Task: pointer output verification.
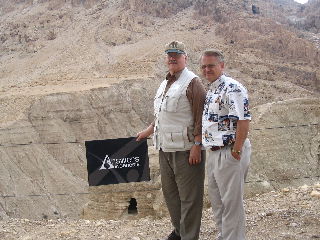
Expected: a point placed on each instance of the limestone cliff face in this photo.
(288, 150)
(43, 173)
(43, 161)
(310, 16)
(271, 38)
(8, 6)
(158, 8)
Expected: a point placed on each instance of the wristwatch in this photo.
(237, 152)
(197, 143)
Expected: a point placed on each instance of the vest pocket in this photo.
(171, 103)
(174, 137)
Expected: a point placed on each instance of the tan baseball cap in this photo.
(175, 47)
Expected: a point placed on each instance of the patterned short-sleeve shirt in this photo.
(226, 103)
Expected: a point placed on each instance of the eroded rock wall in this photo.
(286, 144)
(43, 172)
(43, 155)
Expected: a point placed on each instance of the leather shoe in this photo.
(173, 236)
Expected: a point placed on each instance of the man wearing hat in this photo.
(178, 107)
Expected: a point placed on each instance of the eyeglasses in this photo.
(210, 66)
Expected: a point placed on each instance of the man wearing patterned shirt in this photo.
(225, 125)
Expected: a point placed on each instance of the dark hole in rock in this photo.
(132, 209)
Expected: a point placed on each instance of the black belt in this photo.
(216, 148)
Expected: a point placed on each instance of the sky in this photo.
(301, 1)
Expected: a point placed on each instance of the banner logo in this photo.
(119, 163)
(113, 161)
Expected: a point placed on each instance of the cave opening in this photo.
(132, 208)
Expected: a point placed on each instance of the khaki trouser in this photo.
(182, 186)
(226, 177)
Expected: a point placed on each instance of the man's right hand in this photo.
(145, 133)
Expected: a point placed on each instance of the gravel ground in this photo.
(288, 214)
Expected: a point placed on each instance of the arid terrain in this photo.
(290, 214)
(78, 70)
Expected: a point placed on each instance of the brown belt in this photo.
(215, 148)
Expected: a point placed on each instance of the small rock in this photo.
(65, 234)
(268, 214)
(304, 187)
(285, 190)
(315, 194)
(293, 224)
(100, 223)
(262, 214)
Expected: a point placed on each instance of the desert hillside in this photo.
(79, 70)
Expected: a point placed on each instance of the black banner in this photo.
(113, 161)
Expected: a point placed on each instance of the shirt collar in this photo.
(217, 82)
(174, 76)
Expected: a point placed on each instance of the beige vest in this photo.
(174, 123)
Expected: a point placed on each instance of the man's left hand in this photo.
(195, 155)
(236, 155)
